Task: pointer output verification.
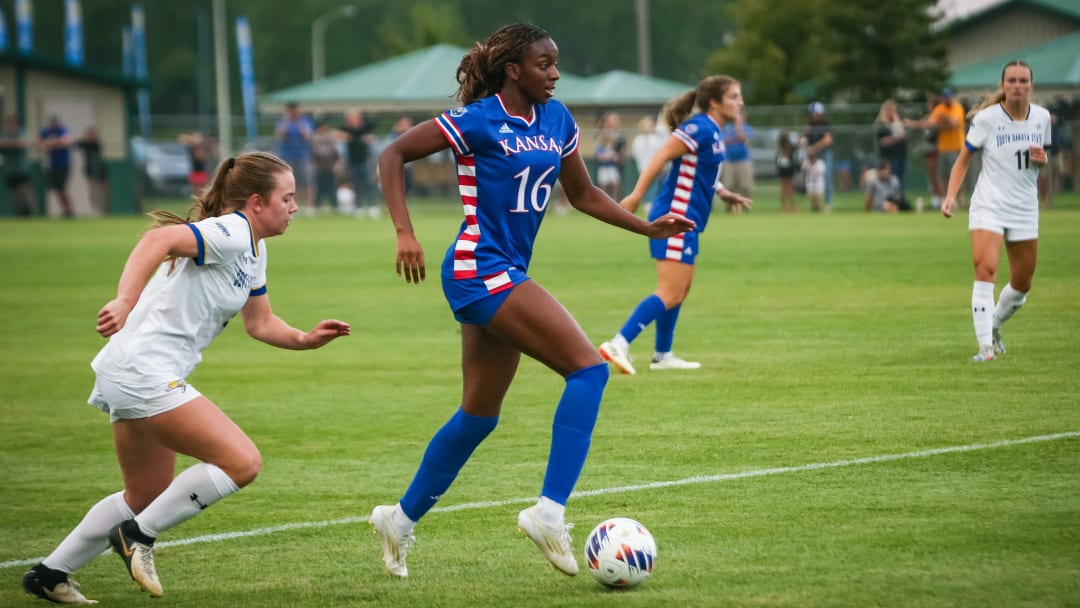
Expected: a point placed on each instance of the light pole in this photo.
(318, 35)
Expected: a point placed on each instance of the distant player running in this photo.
(511, 140)
(1013, 134)
(696, 151)
(164, 315)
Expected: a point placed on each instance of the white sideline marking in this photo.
(209, 538)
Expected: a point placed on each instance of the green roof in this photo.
(425, 79)
(617, 87)
(89, 73)
(1053, 63)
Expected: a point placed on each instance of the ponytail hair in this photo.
(999, 96)
(235, 180)
(678, 109)
(482, 71)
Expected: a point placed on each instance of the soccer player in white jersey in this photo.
(164, 315)
(696, 151)
(510, 140)
(1013, 134)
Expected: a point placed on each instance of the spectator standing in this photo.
(198, 156)
(786, 168)
(892, 139)
(648, 141)
(357, 134)
(401, 125)
(948, 117)
(324, 160)
(56, 143)
(817, 141)
(610, 146)
(94, 168)
(815, 171)
(293, 135)
(738, 172)
(13, 154)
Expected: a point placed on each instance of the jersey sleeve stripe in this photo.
(261, 291)
(452, 134)
(686, 139)
(200, 258)
(971, 148)
(572, 145)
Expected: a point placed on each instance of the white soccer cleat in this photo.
(986, 353)
(999, 344)
(619, 357)
(553, 541)
(139, 559)
(66, 592)
(670, 361)
(394, 546)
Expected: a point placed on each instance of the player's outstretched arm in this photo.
(262, 324)
(591, 200)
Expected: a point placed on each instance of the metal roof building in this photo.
(423, 80)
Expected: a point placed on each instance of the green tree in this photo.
(787, 52)
(779, 44)
(884, 49)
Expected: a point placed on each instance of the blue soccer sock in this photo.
(647, 311)
(665, 329)
(571, 432)
(446, 453)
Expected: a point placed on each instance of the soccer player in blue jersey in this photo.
(164, 315)
(1013, 135)
(696, 150)
(511, 140)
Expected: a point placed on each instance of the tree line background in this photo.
(783, 51)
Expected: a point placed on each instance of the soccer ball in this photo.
(619, 553)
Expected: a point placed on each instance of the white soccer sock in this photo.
(551, 512)
(91, 537)
(401, 522)
(1009, 302)
(193, 490)
(620, 342)
(982, 311)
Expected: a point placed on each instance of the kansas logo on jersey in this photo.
(458, 111)
(529, 144)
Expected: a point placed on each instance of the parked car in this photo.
(161, 168)
(763, 152)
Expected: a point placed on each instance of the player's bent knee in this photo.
(244, 468)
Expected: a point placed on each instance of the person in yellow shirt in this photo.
(948, 117)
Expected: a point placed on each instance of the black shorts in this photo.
(57, 178)
(17, 178)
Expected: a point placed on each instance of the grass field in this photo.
(837, 449)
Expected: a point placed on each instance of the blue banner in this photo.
(3, 33)
(24, 26)
(73, 33)
(138, 46)
(247, 77)
(129, 52)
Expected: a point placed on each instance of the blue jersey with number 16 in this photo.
(507, 166)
